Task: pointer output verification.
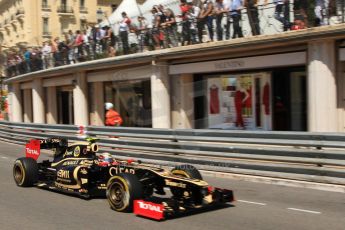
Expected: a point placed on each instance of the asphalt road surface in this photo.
(258, 206)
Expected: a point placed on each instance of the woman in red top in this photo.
(112, 118)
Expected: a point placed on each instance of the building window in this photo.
(132, 100)
(45, 26)
(83, 24)
(45, 5)
(63, 4)
(82, 7)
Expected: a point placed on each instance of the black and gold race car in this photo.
(128, 185)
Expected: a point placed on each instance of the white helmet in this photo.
(106, 157)
(108, 105)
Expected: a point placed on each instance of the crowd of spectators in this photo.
(196, 22)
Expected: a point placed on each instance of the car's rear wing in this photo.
(34, 146)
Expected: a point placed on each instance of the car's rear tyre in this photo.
(25, 172)
(188, 171)
(122, 190)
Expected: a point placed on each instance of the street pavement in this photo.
(258, 206)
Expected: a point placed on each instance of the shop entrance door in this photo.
(262, 101)
(66, 111)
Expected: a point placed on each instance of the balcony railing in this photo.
(46, 34)
(65, 10)
(20, 12)
(83, 9)
(46, 7)
(13, 19)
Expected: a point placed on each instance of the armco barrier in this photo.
(315, 157)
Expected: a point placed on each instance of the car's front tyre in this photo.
(122, 190)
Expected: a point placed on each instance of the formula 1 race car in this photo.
(77, 169)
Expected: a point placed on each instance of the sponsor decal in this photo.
(116, 170)
(175, 184)
(77, 151)
(52, 140)
(148, 209)
(63, 174)
(84, 180)
(33, 149)
(83, 171)
(68, 154)
(70, 163)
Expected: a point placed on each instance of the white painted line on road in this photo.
(4, 157)
(251, 202)
(304, 210)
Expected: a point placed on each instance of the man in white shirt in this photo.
(321, 10)
(46, 55)
(124, 28)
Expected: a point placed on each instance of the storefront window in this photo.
(132, 100)
(274, 100)
(236, 101)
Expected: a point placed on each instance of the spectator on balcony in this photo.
(200, 20)
(194, 13)
(27, 58)
(124, 28)
(98, 38)
(91, 33)
(103, 41)
(282, 13)
(321, 12)
(20, 66)
(207, 16)
(170, 28)
(11, 65)
(186, 23)
(253, 16)
(300, 8)
(36, 60)
(55, 51)
(70, 40)
(112, 37)
(62, 52)
(162, 19)
(86, 44)
(46, 55)
(143, 34)
(220, 9)
(156, 22)
(235, 7)
(105, 38)
(79, 42)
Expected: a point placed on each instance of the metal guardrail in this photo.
(315, 157)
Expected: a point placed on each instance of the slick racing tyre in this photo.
(122, 190)
(25, 172)
(188, 171)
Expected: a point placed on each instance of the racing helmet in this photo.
(106, 157)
